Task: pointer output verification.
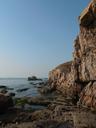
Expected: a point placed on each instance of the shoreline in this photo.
(59, 112)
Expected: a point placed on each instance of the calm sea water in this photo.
(20, 83)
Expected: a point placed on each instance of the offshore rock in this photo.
(34, 78)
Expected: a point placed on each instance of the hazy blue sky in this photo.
(37, 35)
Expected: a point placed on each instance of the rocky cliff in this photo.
(77, 78)
(59, 77)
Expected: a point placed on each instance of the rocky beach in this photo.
(68, 98)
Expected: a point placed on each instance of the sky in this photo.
(37, 35)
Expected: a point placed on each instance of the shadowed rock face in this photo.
(87, 17)
(75, 78)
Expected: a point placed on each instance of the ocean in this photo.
(15, 84)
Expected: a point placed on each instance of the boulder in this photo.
(5, 103)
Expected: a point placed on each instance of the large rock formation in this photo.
(62, 79)
(85, 56)
(79, 76)
(58, 77)
(60, 74)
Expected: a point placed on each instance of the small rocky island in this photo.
(33, 78)
(69, 95)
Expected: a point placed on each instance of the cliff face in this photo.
(80, 75)
(85, 54)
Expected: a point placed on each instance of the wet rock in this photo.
(4, 91)
(66, 125)
(38, 101)
(3, 87)
(5, 103)
(43, 83)
(11, 94)
(10, 88)
(22, 90)
(33, 83)
(32, 103)
(20, 101)
(52, 124)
